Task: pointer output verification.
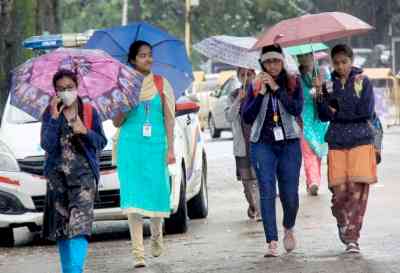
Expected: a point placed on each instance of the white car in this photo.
(217, 101)
(23, 187)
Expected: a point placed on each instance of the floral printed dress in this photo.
(71, 191)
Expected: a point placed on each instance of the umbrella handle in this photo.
(315, 72)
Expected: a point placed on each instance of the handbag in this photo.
(378, 138)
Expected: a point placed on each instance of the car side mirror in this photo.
(186, 107)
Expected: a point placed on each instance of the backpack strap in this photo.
(159, 83)
(88, 115)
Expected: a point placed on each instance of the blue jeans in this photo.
(73, 253)
(282, 162)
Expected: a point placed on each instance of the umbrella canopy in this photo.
(234, 51)
(109, 85)
(169, 53)
(305, 49)
(230, 50)
(321, 55)
(313, 28)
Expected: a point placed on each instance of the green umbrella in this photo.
(305, 49)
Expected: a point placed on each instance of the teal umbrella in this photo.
(305, 49)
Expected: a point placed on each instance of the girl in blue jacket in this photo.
(71, 169)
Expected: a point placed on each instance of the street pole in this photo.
(124, 13)
(187, 27)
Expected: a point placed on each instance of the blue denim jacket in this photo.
(290, 108)
(94, 141)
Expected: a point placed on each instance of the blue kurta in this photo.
(141, 161)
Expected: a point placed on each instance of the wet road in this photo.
(228, 242)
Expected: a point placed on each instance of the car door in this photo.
(193, 137)
(219, 105)
(229, 86)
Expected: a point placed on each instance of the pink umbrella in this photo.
(109, 85)
(321, 55)
(312, 28)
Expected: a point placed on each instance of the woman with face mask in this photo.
(349, 107)
(72, 143)
(241, 141)
(273, 109)
(145, 148)
(313, 145)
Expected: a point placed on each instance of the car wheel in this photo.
(198, 205)
(214, 132)
(178, 222)
(6, 237)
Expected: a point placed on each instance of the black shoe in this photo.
(341, 234)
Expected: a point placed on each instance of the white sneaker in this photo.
(272, 250)
(289, 240)
(352, 248)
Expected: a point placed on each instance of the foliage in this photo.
(79, 16)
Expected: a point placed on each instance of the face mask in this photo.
(68, 97)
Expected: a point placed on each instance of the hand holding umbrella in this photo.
(268, 80)
(317, 84)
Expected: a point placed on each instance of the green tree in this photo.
(135, 13)
(79, 16)
(21, 19)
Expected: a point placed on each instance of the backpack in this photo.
(159, 83)
(88, 115)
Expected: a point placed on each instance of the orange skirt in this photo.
(356, 165)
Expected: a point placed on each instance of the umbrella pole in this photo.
(315, 72)
(245, 83)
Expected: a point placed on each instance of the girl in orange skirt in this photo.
(349, 106)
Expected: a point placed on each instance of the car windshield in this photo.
(17, 116)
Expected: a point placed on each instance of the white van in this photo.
(23, 186)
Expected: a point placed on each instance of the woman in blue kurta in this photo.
(144, 149)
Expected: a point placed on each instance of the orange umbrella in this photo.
(312, 28)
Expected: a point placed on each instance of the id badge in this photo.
(278, 133)
(147, 130)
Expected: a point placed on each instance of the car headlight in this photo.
(8, 163)
(10, 204)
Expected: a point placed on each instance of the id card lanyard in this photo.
(275, 117)
(147, 124)
(278, 131)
